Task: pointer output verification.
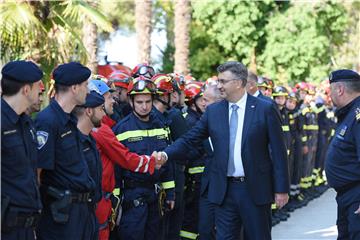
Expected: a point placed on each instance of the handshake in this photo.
(160, 159)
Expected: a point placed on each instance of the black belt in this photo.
(126, 205)
(81, 197)
(236, 179)
(21, 219)
(129, 183)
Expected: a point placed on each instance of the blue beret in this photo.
(22, 71)
(344, 75)
(93, 99)
(71, 73)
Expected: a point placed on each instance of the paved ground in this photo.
(316, 221)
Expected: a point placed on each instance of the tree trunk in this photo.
(90, 42)
(182, 36)
(143, 15)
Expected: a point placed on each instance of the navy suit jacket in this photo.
(266, 171)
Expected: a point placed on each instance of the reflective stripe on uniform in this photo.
(168, 185)
(188, 235)
(304, 139)
(116, 191)
(285, 128)
(312, 127)
(142, 133)
(195, 170)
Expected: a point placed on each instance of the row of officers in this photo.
(88, 166)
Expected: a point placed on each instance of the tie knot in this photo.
(234, 107)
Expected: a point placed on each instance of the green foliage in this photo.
(47, 32)
(284, 40)
(300, 42)
(120, 13)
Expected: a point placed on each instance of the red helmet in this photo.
(141, 85)
(192, 92)
(164, 84)
(302, 86)
(178, 81)
(143, 69)
(120, 79)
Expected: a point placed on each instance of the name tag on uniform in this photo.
(343, 131)
(65, 134)
(10, 132)
(86, 149)
(135, 139)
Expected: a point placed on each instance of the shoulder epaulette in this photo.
(357, 114)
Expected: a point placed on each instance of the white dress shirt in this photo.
(239, 169)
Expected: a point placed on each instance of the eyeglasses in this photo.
(223, 81)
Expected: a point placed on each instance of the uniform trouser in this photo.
(238, 210)
(141, 222)
(191, 217)
(206, 219)
(173, 220)
(348, 223)
(18, 233)
(103, 212)
(81, 225)
(321, 151)
(297, 165)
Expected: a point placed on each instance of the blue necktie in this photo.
(233, 130)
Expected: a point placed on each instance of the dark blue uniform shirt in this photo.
(92, 156)
(18, 160)
(60, 155)
(144, 138)
(343, 158)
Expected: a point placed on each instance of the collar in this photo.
(342, 112)
(241, 103)
(5, 108)
(63, 116)
(257, 93)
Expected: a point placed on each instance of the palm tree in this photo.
(182, 35)
(49, 32)
(143, 26)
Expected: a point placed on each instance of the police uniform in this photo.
(141, 218)
(66, 184)
(20, 198)
(342, 164)
(92, 156)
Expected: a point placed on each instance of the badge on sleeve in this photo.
(42, 138)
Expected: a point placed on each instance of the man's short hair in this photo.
(60, 88)
(352, 86)
(252, 77)
(10, 87)
(78, 111)
(236, 68)
(215, 91)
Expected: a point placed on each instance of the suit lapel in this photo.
(249, 113)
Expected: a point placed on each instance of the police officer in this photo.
(20, 198)
(66, 184)
(144, 133)
(89, 116)
(36, 106)
(342, 165)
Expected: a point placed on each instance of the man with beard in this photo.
(89, 116)
(112, 154)
(66, 184)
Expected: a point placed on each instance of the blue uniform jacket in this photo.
(266, 172)
(19, 160)
(92, 156)
(60, 154)
(342, 163)
(144, 138)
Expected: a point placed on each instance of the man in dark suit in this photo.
(245, 176)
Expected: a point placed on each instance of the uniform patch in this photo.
(357, 114)
(9, 132)
(42, 138)
(65, 133)
(343, 131)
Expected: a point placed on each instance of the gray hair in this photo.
(236, 68)
(352, 87)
